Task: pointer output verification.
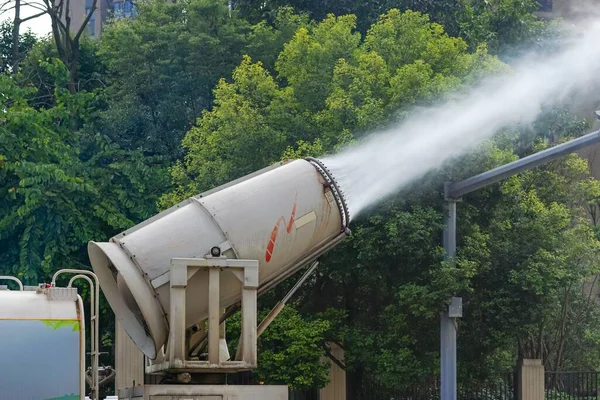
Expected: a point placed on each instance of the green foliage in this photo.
(534, 263)
(505, 25)
(163, 66)
(290, 351)
(91, 72)
(304, 149)
(267, 39)
(307, 61)
(62, 185)
(245, 131)
(338, 86)
(26, 42)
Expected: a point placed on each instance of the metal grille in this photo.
(309, 394)
(572, 385)
(65, 294)
(502, 387)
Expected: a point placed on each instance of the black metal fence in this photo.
(310, 394)
(248, 378)
(572, 385)
(502, 388)
(558, 386)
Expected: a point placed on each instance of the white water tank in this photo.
(284, 216)
(42, 345)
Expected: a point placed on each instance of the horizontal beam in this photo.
(455, 190)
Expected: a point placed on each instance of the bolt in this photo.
(177, 363)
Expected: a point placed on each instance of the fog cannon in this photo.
(283, 216)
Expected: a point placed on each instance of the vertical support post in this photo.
(178, 276)
(249, 314)
(222, 328)
(213, 315)
(450, 242)
(249, 325)
(218, 353)
(531, 380)
(223, 349)
(447, 324)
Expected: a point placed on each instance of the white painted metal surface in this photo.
(129, 361)
(205, 392)
(284, 218)
(31, 305)
(48, 329)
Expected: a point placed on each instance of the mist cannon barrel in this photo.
(283, 216)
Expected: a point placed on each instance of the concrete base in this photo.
(205, 392)
(531, 380)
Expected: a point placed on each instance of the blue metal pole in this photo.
(447, 324)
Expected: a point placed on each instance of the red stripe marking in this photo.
(293, 216)
(275, 232)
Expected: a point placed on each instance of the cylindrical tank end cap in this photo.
(129, 296)
(335, 189)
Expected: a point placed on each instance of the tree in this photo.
(366, 12)
(9, 58)
(66, 37)
(62, 184)
(507, 26)
(56, 181)
(267, 38)
(91, 73)
(163, 66)
(16, 31)
(503, 24)
(290, 351)
(337, 87)
(536, 255)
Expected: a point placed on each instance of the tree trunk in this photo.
(15, 37)
(74, 62)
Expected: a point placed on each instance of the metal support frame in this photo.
(453, 191)
(182, 269)
(197, 335)
(281, 304)
(275, 311)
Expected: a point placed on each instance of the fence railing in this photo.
(309, 394)
(558, 386)
(248, 378)
(502, 388)
(572, 385)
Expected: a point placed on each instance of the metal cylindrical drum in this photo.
(42, 346)
(283, 216)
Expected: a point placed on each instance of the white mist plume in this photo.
(388, 160)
